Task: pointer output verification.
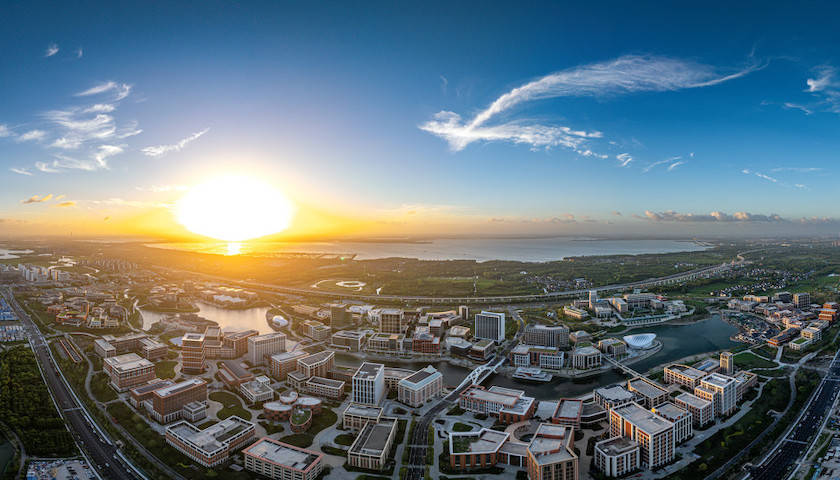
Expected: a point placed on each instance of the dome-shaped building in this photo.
(640, 341)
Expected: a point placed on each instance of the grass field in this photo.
(232, 406)
(165, 369)
(749, 360)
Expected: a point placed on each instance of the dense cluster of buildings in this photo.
(799, 322)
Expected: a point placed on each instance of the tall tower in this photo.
(727, 363)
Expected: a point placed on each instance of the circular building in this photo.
(279, 321)
(289, 397)
(277, 411)
(309, 403)
(300, 420)
(640, 341)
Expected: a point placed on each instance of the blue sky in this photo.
(383, 112)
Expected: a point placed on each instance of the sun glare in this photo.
(234, 208)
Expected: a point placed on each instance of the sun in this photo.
(234, 208)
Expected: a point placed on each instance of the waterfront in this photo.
(480, 249)
(678, 341)
(242, 319)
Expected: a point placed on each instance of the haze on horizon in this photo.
(626, 120)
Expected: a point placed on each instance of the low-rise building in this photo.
(262, 347)
(281, 461)
(420, 387)
(654, 433)
(551, 454)
(234, 374)
(744, 381)
(285, 362)
(324, 387)
(649, 393)
(213, 445)
(586, 358)
(611, 397)
(317, 364)
(476, 449)
(128, 370)
(257, 390)
(568, 412)
(720, 390)
(371, 446)
(612, 347)
(683, 375)
(348, 340)
(355, 416)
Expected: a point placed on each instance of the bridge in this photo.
(624, 368)
(480, 374)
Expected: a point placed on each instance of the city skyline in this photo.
(638, 122)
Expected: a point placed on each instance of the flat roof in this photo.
(151, 387)
(646, 387)
(285, 356)
(236, 369)
(213, 438)
(490, 396)
(373, 438)
(422, 376)
(569, 408)
(362, 410)
(693, 400)
(283, 454)
(616, 445)
(550, 444)
(326, 382)
(369, 370)
(178, 387)
(718, 380)
(669, 411)
(616, 392)
(128, 361)
(482, 441)
(690, 372)
(643, 418)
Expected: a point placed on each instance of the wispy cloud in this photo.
(624, 75)
(4, 131)
(797, 169)
(675, 165)
(79, 52)
(52, 49)
(105, 151)
(32, 135)
(20, 171)
(796, 106)
(67, 204)
(120, 90)
(37, 199)
(159, 150)
(625, 159)
(45, 167)
(747, 171)
(673, 161)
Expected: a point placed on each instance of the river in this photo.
(244, 319)
(678, 341)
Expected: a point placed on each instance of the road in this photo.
(102, 453)
(797, 439)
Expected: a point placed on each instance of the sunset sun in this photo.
(234, 208)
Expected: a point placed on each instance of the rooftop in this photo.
(669, 411)
(373, 438)
(718, 380)
(212, 439)
(128, 361)
(362, 410)
(646, 387)
(326, 382)
(569, 408)
(421, 377)
(369, 370)
(690, 372)
(285, 356)
(179, 387)
(482, 441)
(283, 454)
(551, 444)
(643, 419)
(316, 358)
(616, 445)
(616, 392)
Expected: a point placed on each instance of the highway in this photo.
(104, 455)
(797, 439)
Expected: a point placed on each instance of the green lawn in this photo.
(345, 439)
(749, 360)
(232, 406)
(99, 386)
(165, 369)
(325, 419)
(461, 427)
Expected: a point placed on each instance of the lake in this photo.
(245, 319)
(513, 249)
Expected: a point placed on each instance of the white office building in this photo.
(369, 384)
(490, 326)
(262, 346)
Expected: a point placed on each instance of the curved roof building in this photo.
(640, 341)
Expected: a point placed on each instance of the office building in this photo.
(262, 347)
(257, 390)
(285, 362)
(585, 358)
(546, 336)
(355, 416)
(192, 353)
(568, 412)
(683, 375)
(280, 461)
(654, 433)
(721, 390)
(551, 454)
(348, 340)
(649, 393)
(490, 326)
(702, 411)
(391, 320)
(727, 363)
(420, 387)
(128, 370)
(373, 443)
(166, 404)
(213, 445)
(801, 300)
(617, 456)
(324, 387)
(476, 449)
(369, 384)
(680, 417)
(317, 364)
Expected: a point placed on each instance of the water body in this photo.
(678, 341)
(514, 249)
(6, 254)
(244, 319)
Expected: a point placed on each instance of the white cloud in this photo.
(672, 216)
(105, 151)
(675, 165)
(747, 171)
(32, 135)
(20, 171)
(823, 80)
(79, 52)
(45, 167)
(159, 150)
(674, 161)
(37, 199)
(4, 131)
(100, 108)
(120, 90)
(624, 75)
(796, 106)
(625, 159)
(797, 169)
(52, 49)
